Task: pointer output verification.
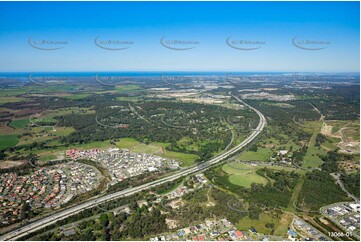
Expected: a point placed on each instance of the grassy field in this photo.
(8, 141)
(40, 134)
(47, 158)
(234, 167)
(283, 224)
(330, 144)
(37, 129)
(246, 179)
(148, 149)
(31, 139)
(20, 123)
(4, 100)
(126, 143)
(190, 146)
(295, 195)
(70, 110)
(280, 224)
(63, 131)
(128, 88)
(11, 92)
(131, 99)
(156, 147)
(46, 121)
(262, 154)
(186, 159)
(243, 175)
(311, 158)
(4, 92)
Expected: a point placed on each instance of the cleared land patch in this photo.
(265, 223)
(243, 175)
(158, 148)
(8, 141)
(262, 154)
(343, 134)
(311, 158)
(20, 123)
(9, 164)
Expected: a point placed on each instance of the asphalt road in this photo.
(41, 223)
(337, 176)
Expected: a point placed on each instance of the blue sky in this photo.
(209, 24)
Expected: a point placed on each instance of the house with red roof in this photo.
(239, 234)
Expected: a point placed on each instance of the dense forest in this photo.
(273, 194)
(319, 189)
(352, 183)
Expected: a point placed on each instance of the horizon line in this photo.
(157, 71)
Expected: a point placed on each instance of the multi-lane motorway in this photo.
(41, 223)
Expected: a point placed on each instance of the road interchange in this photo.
(53, 218)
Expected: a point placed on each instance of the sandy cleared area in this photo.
(347, 144)
(9, 164)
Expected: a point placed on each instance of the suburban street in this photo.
(51, 219)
